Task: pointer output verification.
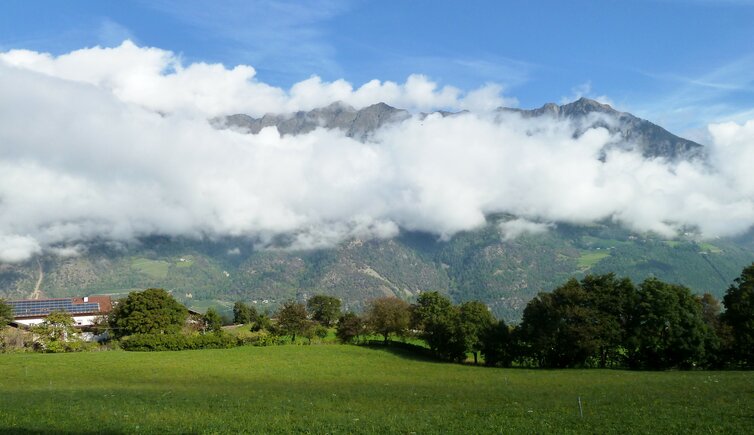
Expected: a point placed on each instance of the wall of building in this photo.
(78, 320)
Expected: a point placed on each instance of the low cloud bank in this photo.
(114, 144)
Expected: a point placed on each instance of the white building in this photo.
(84, 311)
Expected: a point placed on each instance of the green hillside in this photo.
(349, 389)
(478, 264)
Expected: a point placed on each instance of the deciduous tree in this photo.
(350, 327)
(739, 317)
(212, 320)
(243, 313)
(612, 301)
(324, 309)
(6, 314)
(667, 329)
(292, 319)
(152, 311)
(439, 324)
(388, 315)
(57, 333)
(497, 345)
(559, 327)
(475, 321)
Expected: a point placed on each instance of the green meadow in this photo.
(350, 389)
(589, 259)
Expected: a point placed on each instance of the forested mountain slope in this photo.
(479, 264)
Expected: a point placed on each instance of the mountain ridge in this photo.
(476, 264)
(651, 139)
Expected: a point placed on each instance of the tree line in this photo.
(598, 321)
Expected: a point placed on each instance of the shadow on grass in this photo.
(23, 431)
(404, 350)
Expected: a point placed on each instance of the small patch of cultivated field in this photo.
(157, 269)
(589, 258)
(349, 389)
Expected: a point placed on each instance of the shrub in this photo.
(162, 342)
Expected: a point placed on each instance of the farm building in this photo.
(84, 311)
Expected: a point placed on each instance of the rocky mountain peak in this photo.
(635, 133)
(585, 106)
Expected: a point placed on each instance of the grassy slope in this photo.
(344, 389)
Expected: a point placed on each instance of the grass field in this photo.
(708, 247)
(347, 389)
(157, 269)
(589, 258)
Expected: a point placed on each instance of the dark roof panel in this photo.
(43, 307)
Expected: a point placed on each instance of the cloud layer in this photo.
(158, 80)
(113, 144)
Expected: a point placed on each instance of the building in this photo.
(84, 311)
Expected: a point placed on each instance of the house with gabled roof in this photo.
(84, 310)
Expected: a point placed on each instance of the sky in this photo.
(105, 109)
(680, 63)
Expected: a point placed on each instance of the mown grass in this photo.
(589, 258)
(157, 269)
(708, 247)
(349, 389)
(202, 305)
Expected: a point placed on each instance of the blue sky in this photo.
(682, 64)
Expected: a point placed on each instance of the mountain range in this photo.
(478, 264)
(651, 139)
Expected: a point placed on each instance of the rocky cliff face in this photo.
(650, 139)
(355, 123)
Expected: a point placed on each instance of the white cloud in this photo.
(158, 80)
(112, 153)
(15, 248)
(517, 227)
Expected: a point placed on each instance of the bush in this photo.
(162, 342)
(15, 340)
(259, 338)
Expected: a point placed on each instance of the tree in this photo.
(496, 345)
(559, 328)
(667, 329)
(539, 325)
(579, 323)
(152, 311)
(325, 309)
(739, 317)
(262, 322)
(244, 314)
(435, 317)
(308, 330)
(714, 351)
(388, 315)
(475, 321)
(212, 320)
(6, 314)
(292, 319)
(321, 332)
(612, 301)
(56, 333)
(350, 327)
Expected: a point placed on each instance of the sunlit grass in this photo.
(589, 258)
(346, 389)
(157, 269)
